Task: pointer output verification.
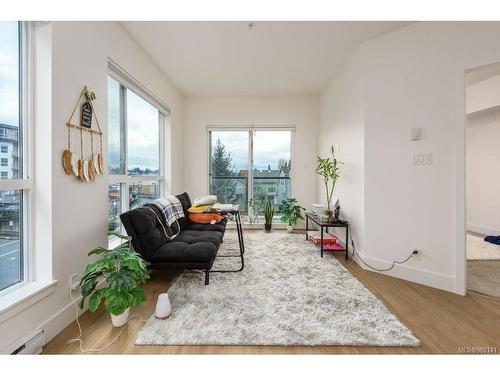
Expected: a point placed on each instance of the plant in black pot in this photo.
(268, 215)
(291, 213)
(123, 270)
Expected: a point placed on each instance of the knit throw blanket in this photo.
(170, 207)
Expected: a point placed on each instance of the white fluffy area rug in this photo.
(286, 295)
(479, 249)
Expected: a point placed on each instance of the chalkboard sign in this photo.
(86, 115)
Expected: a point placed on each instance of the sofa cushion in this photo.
(186, 203)
(195, 236)
(182, 252)
(219, 227)
(146, 232)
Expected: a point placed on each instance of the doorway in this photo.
(483, 180)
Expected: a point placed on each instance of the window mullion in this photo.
(250, 168)
(125, 196)
(124, 119)
(161, 166)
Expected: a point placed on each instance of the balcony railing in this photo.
(234, 189)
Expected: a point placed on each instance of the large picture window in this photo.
(15, 182)
(250, 167)
(135, 149)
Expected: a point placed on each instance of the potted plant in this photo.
(328, 168)
(123, 270)
(291, 213)
(268, 215)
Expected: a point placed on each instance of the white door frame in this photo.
(459, 214)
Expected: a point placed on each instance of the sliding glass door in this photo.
(228, 174)
(250, 167)
(271, 168)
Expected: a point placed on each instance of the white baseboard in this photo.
(482, 229)
(409, 273)
(60, 320)
(52, 326)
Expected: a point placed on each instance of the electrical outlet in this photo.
(74, 282)
(417, 255)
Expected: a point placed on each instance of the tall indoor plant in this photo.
(268, 215)
(123, 270)
(328, 168)
(290, 212)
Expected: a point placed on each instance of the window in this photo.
(15, 185)
(135, 146)
(250, 167)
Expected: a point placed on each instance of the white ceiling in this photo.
(268, 59)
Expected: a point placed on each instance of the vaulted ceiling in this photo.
(252, 59)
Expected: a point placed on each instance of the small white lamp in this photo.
(163, 308)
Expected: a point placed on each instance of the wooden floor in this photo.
(442, 321)
(483, 276)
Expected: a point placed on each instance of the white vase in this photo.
(120, 320)
(289, 228)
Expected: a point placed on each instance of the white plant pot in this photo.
(289, 228)
(120, 320)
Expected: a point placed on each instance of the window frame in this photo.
(252, 129)
(125, 180)
(24, 182)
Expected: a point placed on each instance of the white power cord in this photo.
(80, 341)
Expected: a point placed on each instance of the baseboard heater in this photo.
(33, 345)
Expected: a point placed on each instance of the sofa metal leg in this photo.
(207, 275)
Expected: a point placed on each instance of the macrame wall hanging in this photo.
(84, 165)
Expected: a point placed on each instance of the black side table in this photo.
(234, 210)
(325, 224)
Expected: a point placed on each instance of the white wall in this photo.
(484, 94)
(298, 111)
(79, 211)
(341, 124)
(414, 77)
(483, 179)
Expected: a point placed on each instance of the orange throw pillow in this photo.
(205, 218)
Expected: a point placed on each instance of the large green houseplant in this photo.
(291, 212)
(123, 270)
(328, 168)
(268, 215)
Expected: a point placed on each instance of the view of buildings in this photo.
(9, 207)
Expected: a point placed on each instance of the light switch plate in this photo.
(422, 158)
(416, 134)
